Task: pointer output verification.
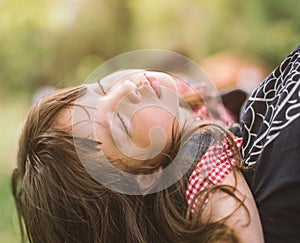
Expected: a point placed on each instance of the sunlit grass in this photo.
(9, 231)
(12, 109)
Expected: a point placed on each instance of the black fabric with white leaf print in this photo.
(271, 142)
(272, 107)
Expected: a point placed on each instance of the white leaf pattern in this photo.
(271, 107)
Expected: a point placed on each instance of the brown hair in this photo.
(58, 201)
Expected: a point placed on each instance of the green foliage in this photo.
(47, 42)
(13, 110)
(9, 227)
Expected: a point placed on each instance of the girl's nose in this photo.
(134, 93)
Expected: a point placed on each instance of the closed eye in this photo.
(123, 122)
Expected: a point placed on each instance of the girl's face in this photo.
(134, 117)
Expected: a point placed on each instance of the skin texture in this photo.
(132, 118)
(221, 205)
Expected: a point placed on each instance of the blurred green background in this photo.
(59, 42)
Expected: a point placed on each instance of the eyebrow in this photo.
(101, 87)
(95, 88)
(85, 107)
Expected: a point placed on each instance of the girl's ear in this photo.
(147, 182)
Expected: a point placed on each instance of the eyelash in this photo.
(123, 123)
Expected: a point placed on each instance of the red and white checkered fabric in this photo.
(199, 98)
(213, 167)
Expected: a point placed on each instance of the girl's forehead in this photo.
(115, 76)
(95, 86)
(64, 119)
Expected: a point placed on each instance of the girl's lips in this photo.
(154, 84)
